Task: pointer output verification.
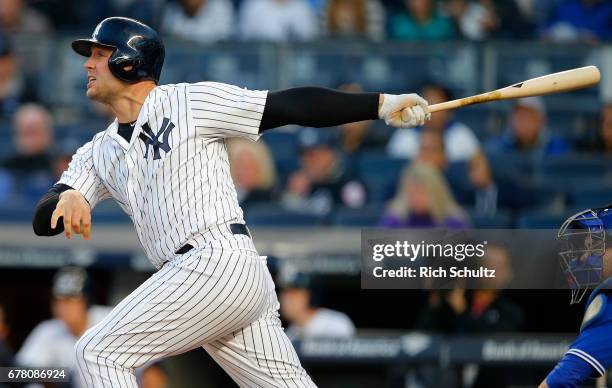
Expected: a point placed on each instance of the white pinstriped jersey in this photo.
(173, 177)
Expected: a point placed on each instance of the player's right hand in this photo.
(403, 110)
(76, 213)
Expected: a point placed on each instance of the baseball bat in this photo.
(563, 81)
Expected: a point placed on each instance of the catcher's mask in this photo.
(582, 260)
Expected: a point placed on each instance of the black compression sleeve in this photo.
(44, 209)
(317, 107)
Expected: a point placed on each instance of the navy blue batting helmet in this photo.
(139, 51)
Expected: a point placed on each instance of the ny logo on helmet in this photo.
(151, 139)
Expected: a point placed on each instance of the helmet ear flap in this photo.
(124, 68)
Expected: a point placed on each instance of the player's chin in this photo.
(92, 93)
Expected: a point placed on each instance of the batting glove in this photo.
(404, 110)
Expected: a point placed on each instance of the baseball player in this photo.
(164, 161)
(52, 341)
(587, 263)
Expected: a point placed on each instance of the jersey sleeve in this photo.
(594, 346)
(570, 372)
(81, 175)
(222, 110)
(589, 356)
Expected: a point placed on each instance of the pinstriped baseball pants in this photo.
(219, 296)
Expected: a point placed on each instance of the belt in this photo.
(234, 228)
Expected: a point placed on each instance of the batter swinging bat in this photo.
(564, 81)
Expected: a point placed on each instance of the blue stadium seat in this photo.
(485, 121)
(17, 209)
(380, 174)
(237, 64)
(273, 215)
(502, 219)
(364, 217)
(579, 166)
(282, 144)
(589, 197)
(541, 220)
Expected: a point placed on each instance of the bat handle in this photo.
(443, 106)
(477, 99)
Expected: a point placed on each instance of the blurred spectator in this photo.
(355, 19)
(528, 133)
(147, 11)
(486, 311)
(62, 14)
(475, 185)
(6, 355)
(473, 20)
(51, 343)
(14, 90)
(580, 20)
(431, 150)
(420, 21)
(33, 137)
(484, 187)
(16, 17)
(203, 21)
(605, 130)
(153, 376)
(460, 142)
(537, 11)
(30, 167)
(507, 20)
(253, 171)
(306, 320)
(362, 135)
(277, 20)
(323, 179)
(423, 200)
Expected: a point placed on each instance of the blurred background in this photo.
(307, 193)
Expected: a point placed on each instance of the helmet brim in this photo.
(83, 46)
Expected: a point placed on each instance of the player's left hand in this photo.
(404, 110)
(76, 214)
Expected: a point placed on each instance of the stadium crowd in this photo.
(328, 175)
(281, 20)
(447, 173)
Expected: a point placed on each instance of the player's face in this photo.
(527, 124)
(439, 119)
(418, 197)
(431, 150)
(102, 85)
(72, 311)
(293, 303)
(317, 162)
